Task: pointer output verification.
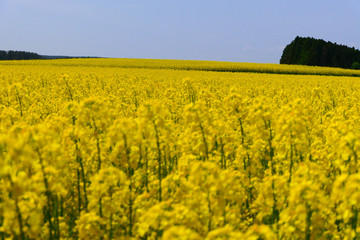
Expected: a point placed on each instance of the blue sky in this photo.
(227, 30)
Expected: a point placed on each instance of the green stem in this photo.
(110, 219)
(98, 153)
(223, 159)
(354, 220)
(146, 171)
(275, 213)
(242, 131)
(205, 143)
(271, 150)
(19, 101)
(308, 223)
(2, 234)
(69, 90)
(291, 161)
(159, 158)
(210, 211)
(78, 190)
(165, 163)
(18, 212)
(79, 160)
(130, 173)
(48, 197)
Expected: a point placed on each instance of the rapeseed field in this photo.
(151, 149)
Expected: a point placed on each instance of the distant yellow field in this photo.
(144, 149)
(190, 65)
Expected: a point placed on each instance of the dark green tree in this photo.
(355, 65)
(317, 52)
(18, 55)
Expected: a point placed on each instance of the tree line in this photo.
(317, 52)
(18, 55)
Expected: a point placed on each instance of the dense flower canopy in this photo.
(106, 152)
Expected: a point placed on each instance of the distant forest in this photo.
(317, 52)
(18, 55)
(22, 55)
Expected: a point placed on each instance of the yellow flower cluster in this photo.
(145, 149)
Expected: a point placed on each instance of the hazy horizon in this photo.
(235, 31)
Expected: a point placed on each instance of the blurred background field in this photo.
(190, 65)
